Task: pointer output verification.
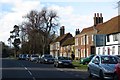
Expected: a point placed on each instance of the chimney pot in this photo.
(94, 14)
(100, 14)
(97, 14)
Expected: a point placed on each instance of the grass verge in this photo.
(77, 65)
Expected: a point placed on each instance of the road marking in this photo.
(25, 68)
(29, 72)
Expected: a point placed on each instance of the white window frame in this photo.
(99, 50)
(115, 37)
(113, 50)
(92, 37)
(76, 41)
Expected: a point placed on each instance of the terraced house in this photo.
(111, 30)
(67, 47)
(55, 46)
(84, 42)
(101, 38)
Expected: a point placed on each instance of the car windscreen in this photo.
(48, 56)
(109, 60)
(35, 56)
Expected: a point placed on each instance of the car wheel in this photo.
(101, 75)
(89, 72)
(115, 77)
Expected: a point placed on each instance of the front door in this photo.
(92, 50)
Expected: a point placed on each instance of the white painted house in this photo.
(111, 29)
(112, 46)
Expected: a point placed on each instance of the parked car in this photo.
(102, 66)
(22, 56)
(117, 71)
(118, 56)
(63, 62)
(28, 56)
(46, 58)
(34, 57)
(87, 59)
(19, 56)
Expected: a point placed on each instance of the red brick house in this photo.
(84, 43)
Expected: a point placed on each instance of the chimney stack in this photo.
(98, 19)
(62, 30)
(77, 32)
(101, 18)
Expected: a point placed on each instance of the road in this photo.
(26, 70)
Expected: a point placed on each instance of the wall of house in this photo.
(54, 49)
(111, 39)
(108, 50)
(66, 51)
(112, 46)
(81, 46)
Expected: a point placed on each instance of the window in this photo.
(119, 50)
(76, 51)
(84, 52)
(92, 38)
(115, 37)
(113, 50)
(98, 50)
(108, 39)
(81, 41)
(76, 41)
(103, 50)
(87, 52)
(108, 51)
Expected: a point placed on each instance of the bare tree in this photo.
(40, 28)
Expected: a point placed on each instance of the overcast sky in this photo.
(73, 14)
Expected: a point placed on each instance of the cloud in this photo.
(18, 9)
(71, 20)
(68, 16)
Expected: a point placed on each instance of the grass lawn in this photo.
(79, 66)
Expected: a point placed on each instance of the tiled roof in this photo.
(108, 27)
(85, 30)
(59, 38)
(70, 41)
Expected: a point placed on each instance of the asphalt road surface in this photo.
(25, 70)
